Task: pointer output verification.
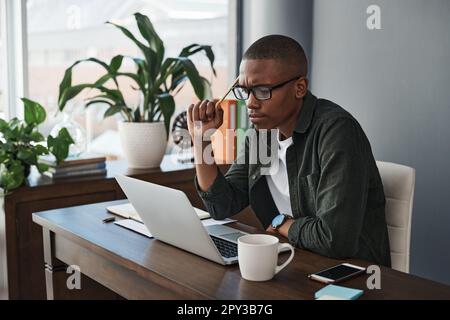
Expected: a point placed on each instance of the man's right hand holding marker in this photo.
(204, 117)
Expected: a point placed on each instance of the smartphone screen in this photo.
(338, 272)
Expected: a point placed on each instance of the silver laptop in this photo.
(170, 217)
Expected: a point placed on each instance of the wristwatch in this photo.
(279, 220)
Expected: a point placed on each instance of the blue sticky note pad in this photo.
(339, 292)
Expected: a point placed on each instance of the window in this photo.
(63, 31)
(2, 69)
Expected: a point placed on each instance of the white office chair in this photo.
(398, 183)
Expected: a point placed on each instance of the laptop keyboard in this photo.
(226, 248)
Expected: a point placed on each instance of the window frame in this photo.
(14, 55)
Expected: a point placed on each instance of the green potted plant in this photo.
(145, 131)
(21, 146)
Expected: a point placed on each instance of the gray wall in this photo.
(396, 82)
(288, 17)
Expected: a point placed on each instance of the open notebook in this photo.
(133, 222)
(127, 211)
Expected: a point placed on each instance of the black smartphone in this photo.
(337, 273)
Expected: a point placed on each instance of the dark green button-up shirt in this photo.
(336, 192)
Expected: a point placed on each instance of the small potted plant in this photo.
(21, 145)
(145, 131)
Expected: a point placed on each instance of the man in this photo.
(326, 194)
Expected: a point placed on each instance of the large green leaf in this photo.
(3, 125)
(115, 64)
(3, 154)
(193, 75)
(71, 93)
(137, 78)
(112, 70)
(36, 136)
(13, 132)
(66, 83)
(34, 113)
(178, 76)
(40, 149)
(169, 66)
(42, 167)
(194, 48)
(24, 153)
(149, 33)
(176, 81)
(103, 79)
(129, 35)
(142, 71)
(148, 53)
(14, 123)
(12, 175)
(115, 101)
(32, 160)
(67, 91)
(59, 145)
(100, 62)
(167, 107)
(137, 115)
(8, 146)
(151, 36)
(113, 110)
(113, 94)
(96, 100)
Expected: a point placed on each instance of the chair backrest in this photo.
(398, 182)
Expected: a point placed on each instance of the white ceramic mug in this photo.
(258, 256)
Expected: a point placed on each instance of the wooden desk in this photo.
(24, 248)
(132, 266)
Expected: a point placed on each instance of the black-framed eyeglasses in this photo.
(259, 92)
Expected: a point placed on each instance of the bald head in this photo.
(281, 48)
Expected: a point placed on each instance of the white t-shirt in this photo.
(277, 180)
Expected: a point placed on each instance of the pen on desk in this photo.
(109, 219)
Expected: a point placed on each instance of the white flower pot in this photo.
(143, 143)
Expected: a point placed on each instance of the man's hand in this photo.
(204, 116)
(271, 230)
(283, 229)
